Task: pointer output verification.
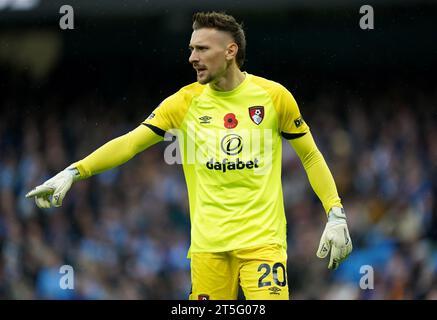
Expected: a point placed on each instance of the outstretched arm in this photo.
(117, 151)
(110, 155)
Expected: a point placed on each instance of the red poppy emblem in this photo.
(256, 114)
(230, 121)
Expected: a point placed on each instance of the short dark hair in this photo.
(223, 22)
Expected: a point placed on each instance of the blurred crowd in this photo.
(125, 232)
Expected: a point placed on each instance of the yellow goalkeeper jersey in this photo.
(231, 151)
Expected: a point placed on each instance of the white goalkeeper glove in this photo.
(336, 238)
(52, 192)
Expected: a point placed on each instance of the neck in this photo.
(230, 80)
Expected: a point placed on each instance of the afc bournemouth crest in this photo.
(256, 113)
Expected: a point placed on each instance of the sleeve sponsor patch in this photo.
(298, 122)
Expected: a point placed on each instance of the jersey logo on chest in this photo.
(256, 113)
(205, 119)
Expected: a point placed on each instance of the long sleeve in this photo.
(117, 151)
(317, 170)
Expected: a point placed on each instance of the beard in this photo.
(208, 77)
(205, 79)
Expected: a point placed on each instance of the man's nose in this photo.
(194, 57)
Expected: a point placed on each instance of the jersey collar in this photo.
(232, 92)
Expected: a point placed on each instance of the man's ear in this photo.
(231, 51)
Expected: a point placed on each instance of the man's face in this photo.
(209, 53)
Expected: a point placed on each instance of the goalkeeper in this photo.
(238, 225)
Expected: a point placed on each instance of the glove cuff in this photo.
(336, 214)
(74, 173)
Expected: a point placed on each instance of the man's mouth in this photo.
(200, 69)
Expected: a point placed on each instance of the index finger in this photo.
(39, 191)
